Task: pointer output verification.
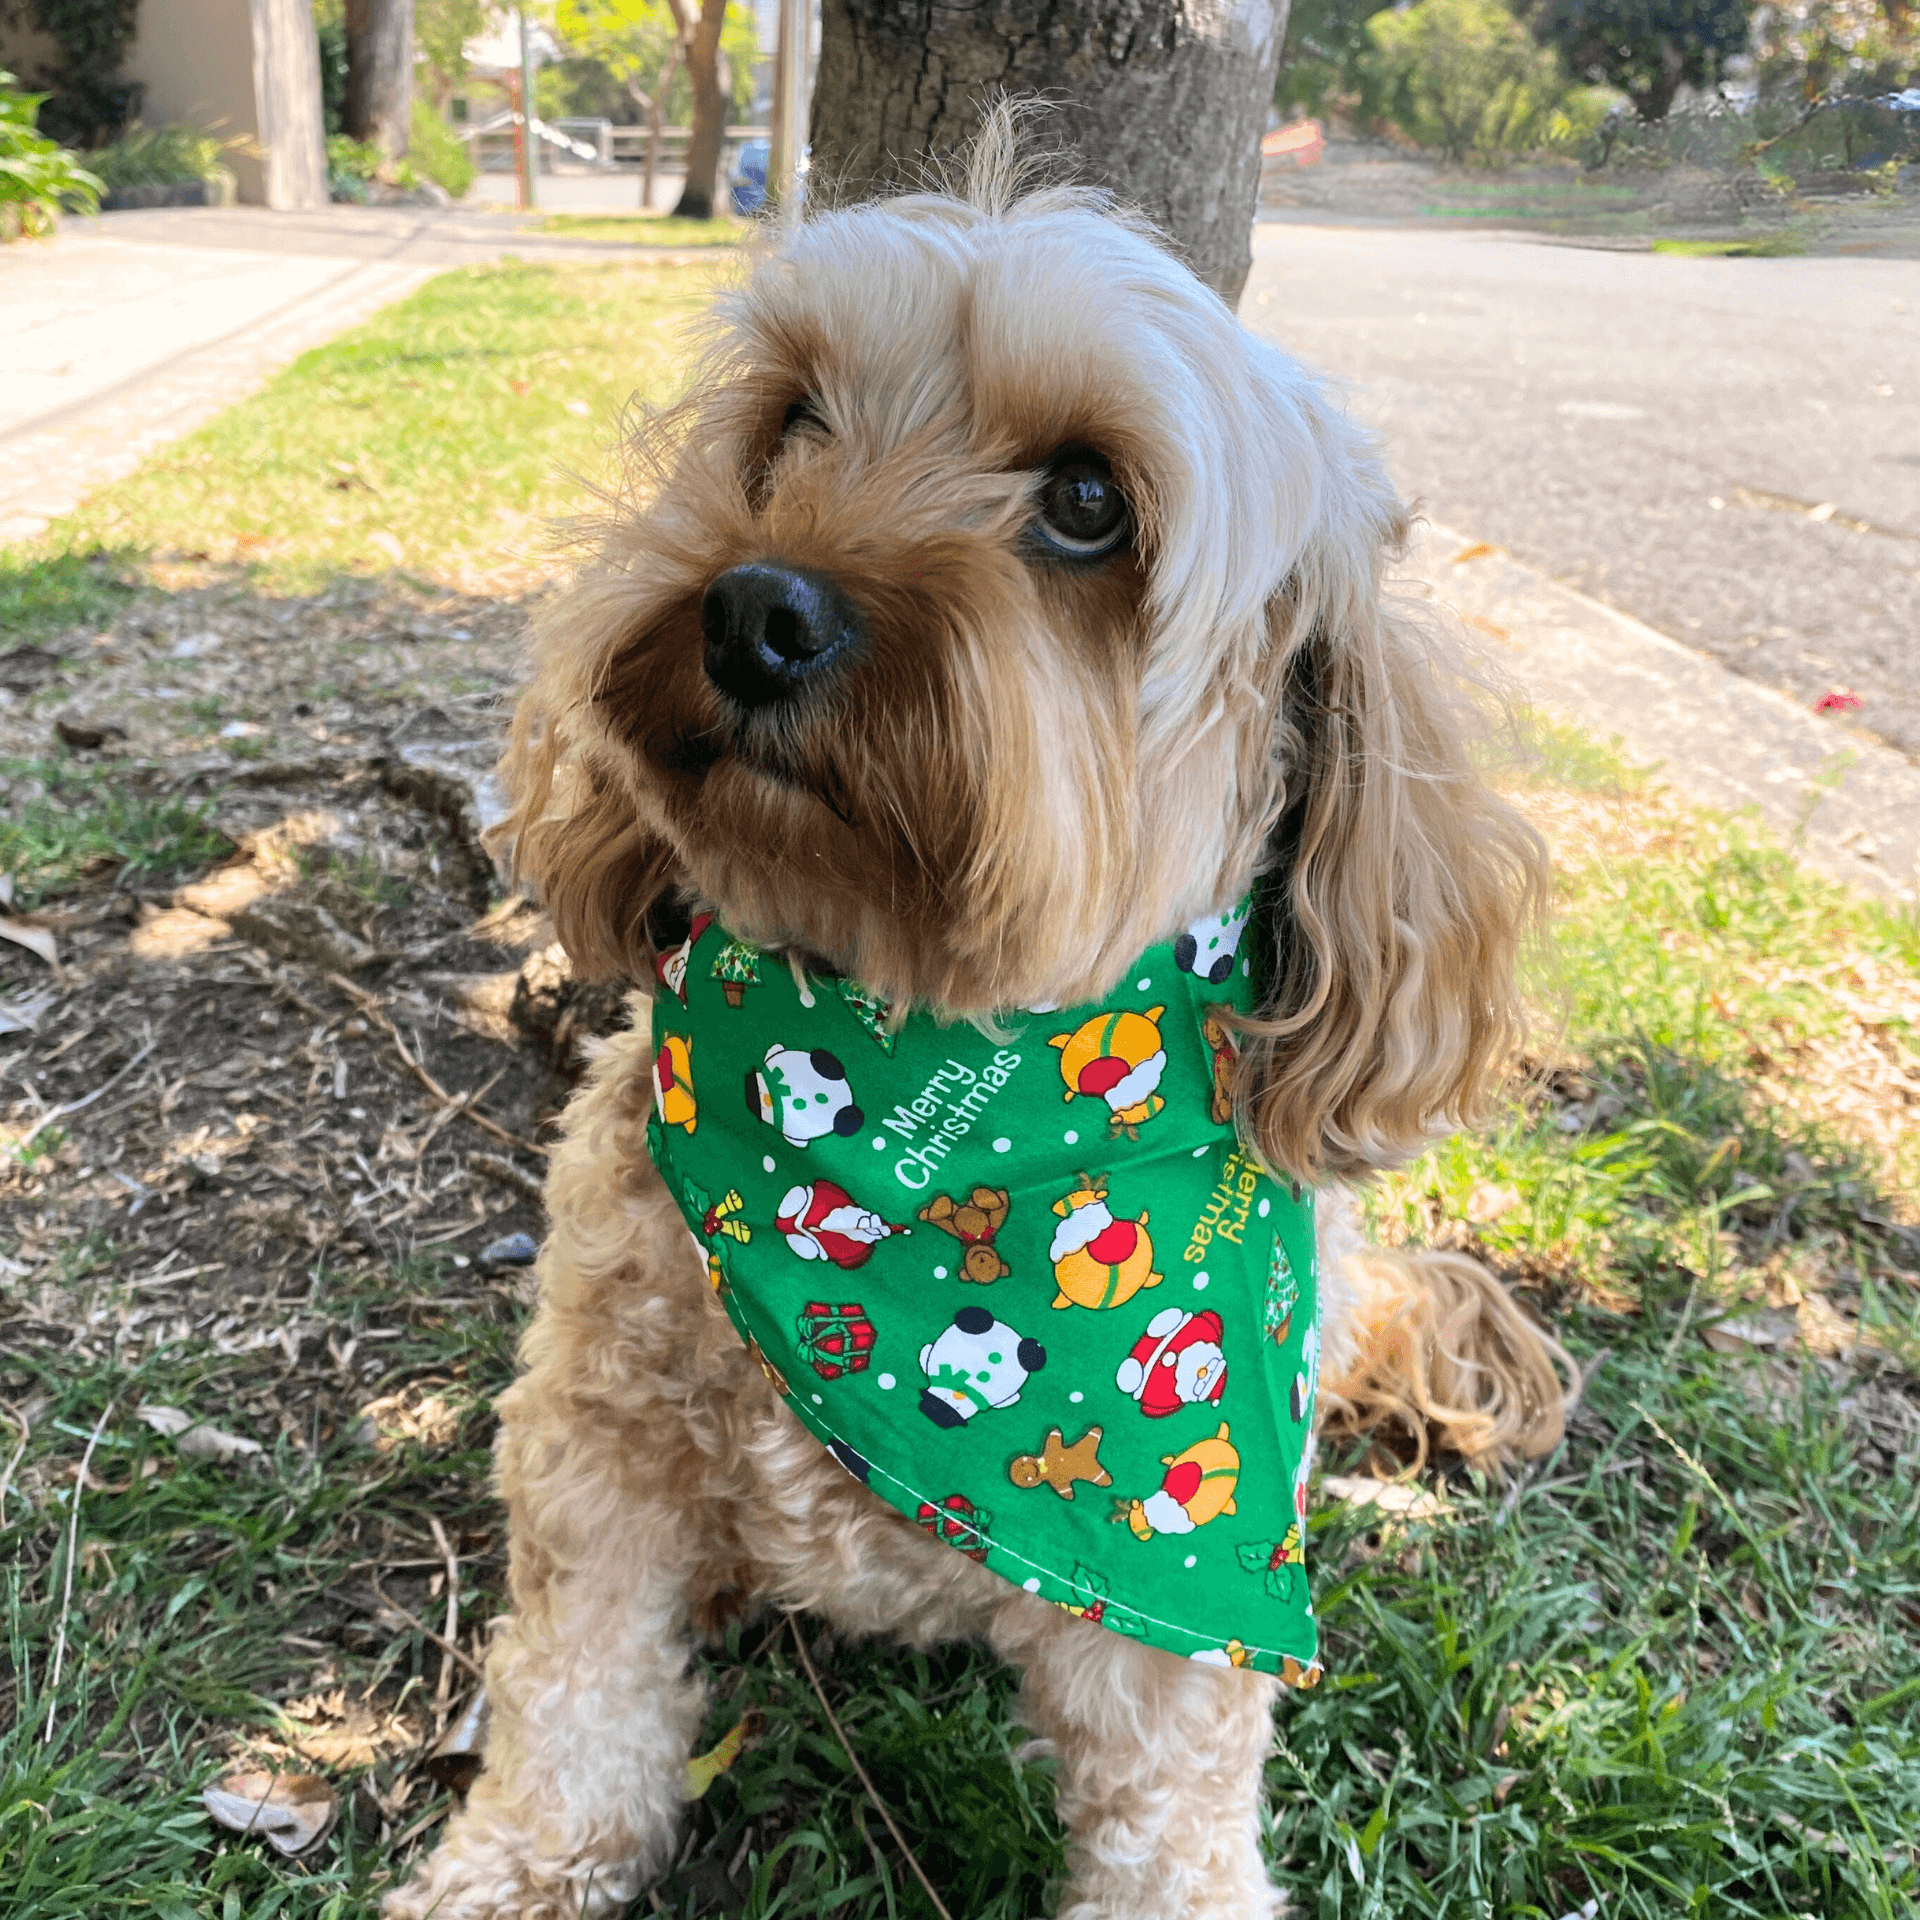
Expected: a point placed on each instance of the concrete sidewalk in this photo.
(124, 332)
(1848, 804)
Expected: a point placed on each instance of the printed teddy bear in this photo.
(973, 1222)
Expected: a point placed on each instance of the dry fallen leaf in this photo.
(1488, 1203)
(1406, 1498)
(34, 939)
(455, 1762)
(23, 1016)
(705, 1768)
(293, 1811)
(196, 1441)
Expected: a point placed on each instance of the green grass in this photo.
(62, 819)
(649, 229)
(1779, 243)
(434, 441)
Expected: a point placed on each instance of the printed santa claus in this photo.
(824, 1222)
(1176, 1363)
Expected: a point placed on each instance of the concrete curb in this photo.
(1849, 805)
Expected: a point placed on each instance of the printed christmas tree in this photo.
(1283, 1292)
(870, 1010)
(737, 967)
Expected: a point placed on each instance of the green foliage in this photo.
(1818, 50)
(632, 41)
(37, 175)
(1326, 60)
(437, 152)
(330, 30)
(441, 29)
(1648, 49)
(63, 818)
(1464, 76)
(159, 156)
(89, 101)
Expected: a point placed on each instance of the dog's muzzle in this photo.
(769, 627)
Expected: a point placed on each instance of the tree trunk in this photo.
(709, 114)
(1161, 101)
(379, 103)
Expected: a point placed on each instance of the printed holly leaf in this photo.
(1090, 1591)
(1276, 1560)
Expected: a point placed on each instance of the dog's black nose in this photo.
(767, 627)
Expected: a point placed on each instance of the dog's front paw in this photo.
(484, 1876)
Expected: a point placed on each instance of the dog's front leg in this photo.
(1160, 1763)
(616, 1529)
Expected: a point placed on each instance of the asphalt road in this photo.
(1729, 450)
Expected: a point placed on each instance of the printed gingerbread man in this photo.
(1059, 1465)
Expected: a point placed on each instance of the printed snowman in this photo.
(976, 1362)
(822, 1221)
(1178, 1362)
(1208, 947)
(805, 1095)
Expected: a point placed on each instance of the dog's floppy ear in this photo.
(573, 837)
(1399, 885)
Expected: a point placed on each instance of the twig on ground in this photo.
(294, 998)
(420, 1626)
(866, 1780)
(6, 1479)
(74, 1106)
(443, 1692)
(504, 1173)
(73, 1548)
(370, 1005)
(455, 1107)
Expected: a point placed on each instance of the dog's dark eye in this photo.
(803, 413)
(1083, 515)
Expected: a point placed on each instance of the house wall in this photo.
(247, 70)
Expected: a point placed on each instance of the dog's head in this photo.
(993, 607)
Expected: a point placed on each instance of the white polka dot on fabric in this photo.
(1193, 1560)
(1140, 986)
(879, 1143)
(817, 1401)
(1199, 1282)
(768, 1163)
(1033, 1585)
(1076, 1398)
(939, 1273)
(886, 1383)
(1003, 1145)
(1200, 1153)
(1070, 1137)
(1266, 1207)
(1246, 966)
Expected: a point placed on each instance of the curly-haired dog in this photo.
(994, 609)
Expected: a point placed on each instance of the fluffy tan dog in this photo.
(993, 607)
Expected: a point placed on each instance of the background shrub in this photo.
(1465, 77)
(160, 157)
(438, 152)
(37, 175)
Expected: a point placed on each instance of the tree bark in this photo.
(709, 116)
(1163, 102)
(379, 102)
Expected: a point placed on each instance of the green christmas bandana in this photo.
(1029, 1290)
